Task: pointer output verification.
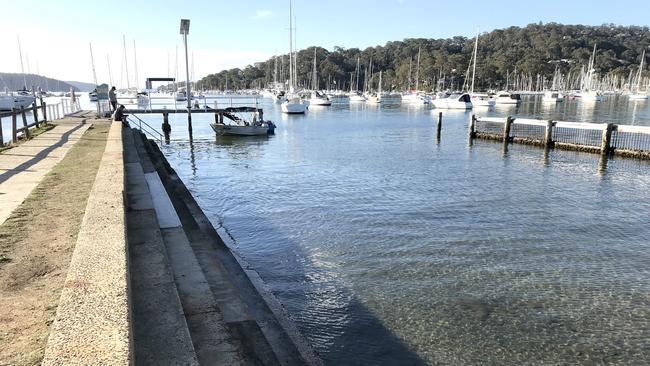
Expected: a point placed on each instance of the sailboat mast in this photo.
(22, 67)
(358, 72)
(126, 63)
(417, 73)
(474, 69)
(135, 62)
(290, 49)
(314, 82)
(92, 63)
(638, 81)
(110, 75)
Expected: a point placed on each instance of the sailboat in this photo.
(415, 96)
(376, 98)
(355, 95)
(637, 94)
(317, 98)
(478, 100)
(588, 93)
(294, 103)
(17, 100)
(92, 96)
(554, 95)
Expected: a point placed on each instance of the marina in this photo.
(379, 190)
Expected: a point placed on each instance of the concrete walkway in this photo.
(23, 167)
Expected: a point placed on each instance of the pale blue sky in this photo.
(226, 34)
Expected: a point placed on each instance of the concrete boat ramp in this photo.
(152, 283)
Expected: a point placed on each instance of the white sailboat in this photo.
(376, 98)
(355, 95)
(294, 103)
(317, 98)
(637, 94)
(17, 100)
(588, 92)
(416, 96)
(478, 100)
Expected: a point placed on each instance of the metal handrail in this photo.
(149, 130)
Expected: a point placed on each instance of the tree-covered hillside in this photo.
(533, 52)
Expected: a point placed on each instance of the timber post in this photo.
(35, 113)
(506, 129)
(44, 107)
(548, 134)
(439, 126)
(189, 122)
(472, 127)
(2, 140)
(25, 128)
(606, 143)
(14, 129)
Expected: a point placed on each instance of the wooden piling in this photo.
(2, 140)
(44, 106)
(548, 135)
(605, 145)
(189, 122)
(35, 113)
(472, 127)
(25, 126)
(166, 127)
(506, 129)
(439, 126)
(14, 129)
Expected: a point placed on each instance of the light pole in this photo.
(185, 30)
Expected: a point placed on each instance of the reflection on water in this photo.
(388, 248)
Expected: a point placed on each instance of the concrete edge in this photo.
(273, 303)
(92, 323)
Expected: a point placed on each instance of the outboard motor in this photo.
(271, 125)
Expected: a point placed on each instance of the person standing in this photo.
(112, 98)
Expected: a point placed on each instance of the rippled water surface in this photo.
(389, 248)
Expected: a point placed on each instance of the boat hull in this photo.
(8, 102)
(230, 130)
(293, 108)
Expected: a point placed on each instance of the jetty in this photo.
(149, 280)
(600, 138)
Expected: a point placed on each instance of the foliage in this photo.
(536, 49)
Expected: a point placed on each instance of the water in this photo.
(388, 248)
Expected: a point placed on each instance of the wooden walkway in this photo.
(23, 167)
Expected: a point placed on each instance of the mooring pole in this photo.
(506, 129)
(605, 146)
(189, 122)
(548, 135)
(472, 127)
(439, 126)
(166, 127)
(14, 129)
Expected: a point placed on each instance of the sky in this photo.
(55, 35)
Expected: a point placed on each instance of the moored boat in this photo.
(454, 101)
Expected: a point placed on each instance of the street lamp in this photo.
(185, 30)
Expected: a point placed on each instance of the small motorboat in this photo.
(237, 126)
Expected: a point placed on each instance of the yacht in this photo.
(356, 97)
(7, 102)
(294, 105)
(482, 100)
(318, 98)
(504, 97)
(454, 101)
(416, 98)
(552, 96)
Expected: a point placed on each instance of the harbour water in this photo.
(388, 248)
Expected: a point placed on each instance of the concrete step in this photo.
(160, 331)
(214, 341)
(248, 308)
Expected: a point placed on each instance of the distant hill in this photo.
(17, 81)
(513, 57)
(81, 86)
